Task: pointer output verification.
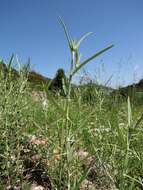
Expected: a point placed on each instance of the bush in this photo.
(57, 84)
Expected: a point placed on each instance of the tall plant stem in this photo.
(75, 66)
(67, 138)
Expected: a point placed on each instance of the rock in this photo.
(37, 187)
(81, 154)
(87, 185)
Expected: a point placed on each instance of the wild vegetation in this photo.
(81, 139)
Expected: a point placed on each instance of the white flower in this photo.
(45, 104)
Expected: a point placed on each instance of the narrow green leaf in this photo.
(109, 79)
(10, 61)
(18, 64)
(139, 121)
(81, 179)
(83, 38)
(133, 179)
(90, 59)
(64, 86)
(66, 31)
(129, 112)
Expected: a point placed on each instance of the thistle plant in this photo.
(66, 134)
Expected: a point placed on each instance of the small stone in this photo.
(82, 154)
(87, 185)
(36, 187)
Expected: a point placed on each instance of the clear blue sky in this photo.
(31, 28)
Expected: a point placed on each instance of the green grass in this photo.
(89, 137)
(104, 129)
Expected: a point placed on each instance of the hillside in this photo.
(130, 90)
(33, 77)
(37, 80)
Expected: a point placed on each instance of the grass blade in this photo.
(83, 38)
(91, 58)
(10, 62)
(65, 30)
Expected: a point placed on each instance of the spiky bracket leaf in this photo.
(65, 31)
(75, 45)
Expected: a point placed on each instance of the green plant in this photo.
(91, 140)
(66, 131)
(56, 84)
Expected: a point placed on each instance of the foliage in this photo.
(57, 84)
(71, 141)
(31, 138)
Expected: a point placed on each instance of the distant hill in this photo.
(34, 78)
(130, 90)
(105, 89)
(138, 86)
(36, 81)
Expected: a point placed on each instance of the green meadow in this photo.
(60, 136)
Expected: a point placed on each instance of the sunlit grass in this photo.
(89, 139)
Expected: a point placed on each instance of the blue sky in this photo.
(30, 28)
